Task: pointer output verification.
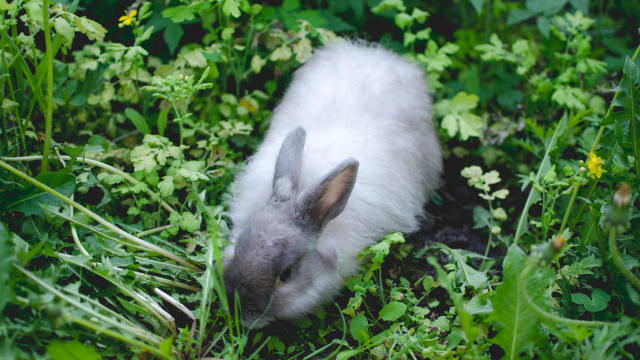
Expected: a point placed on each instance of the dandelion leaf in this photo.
(517, 324)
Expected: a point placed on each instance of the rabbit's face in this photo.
(274, 263)
(276, 260)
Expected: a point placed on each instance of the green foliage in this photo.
(112, 247)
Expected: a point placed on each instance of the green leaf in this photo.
(166, 186)
(64, 30)
(29, 199)
(163, 117)
(195, 58)
(257, 63)
(189, 222)
(597, 302)
(97, 144)
(392, 311)
(172, 35)
(571, 97)
(463, 102)
(178, 14)
(231, 7)
(71, 350)
(5, 265)
(137, 119)
(477, 4)
(630, 79)
(282, 53)
(402, 20)
(516, 324)
(92, 29)
(359, 328)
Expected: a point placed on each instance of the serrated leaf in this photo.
(231, 7)
(71, 350)
(189, 222)
(92, 29)
(597, 302)
(517, 325)
(178, 14)
(166, 186)
(392, 311)
(64, 30)
(571, 97)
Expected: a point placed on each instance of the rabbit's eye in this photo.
(285, 275)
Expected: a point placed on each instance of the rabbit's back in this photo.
(368, 103)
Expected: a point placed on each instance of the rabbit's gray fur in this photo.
(351, 155)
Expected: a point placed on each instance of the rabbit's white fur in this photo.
(361, 101)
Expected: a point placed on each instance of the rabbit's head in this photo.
(277, 261)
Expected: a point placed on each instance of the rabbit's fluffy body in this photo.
(358, 101)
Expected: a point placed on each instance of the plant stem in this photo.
(574, 193)
(554, 319)
(48, 115)
(617, 260)
(118, 336)
(133, 330)
(148, 246)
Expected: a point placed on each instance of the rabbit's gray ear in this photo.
(287, 173)
(328, 197)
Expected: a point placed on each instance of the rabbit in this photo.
(351, 154)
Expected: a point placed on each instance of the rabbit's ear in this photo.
(288, 165)
(328, 197)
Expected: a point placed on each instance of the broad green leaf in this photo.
(386, 5)
(92, 29)
(359, 328)
(172, 35)
(282, 53)
(29, 199)
(195, 58)
(517, 326)
(257, 63)
(166, 186)
(64, 30)
(137, 119)
(231, 7)
(402, 20)
(392, 311)
(189, 222)
(71, 350)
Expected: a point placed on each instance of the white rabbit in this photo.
(351, 155)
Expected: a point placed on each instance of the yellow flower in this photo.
(595, 165)
(127, 19)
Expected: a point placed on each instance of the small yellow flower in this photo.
(127, 19)
(595, 165)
